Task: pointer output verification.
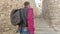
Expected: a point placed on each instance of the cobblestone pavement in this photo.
(41, 27)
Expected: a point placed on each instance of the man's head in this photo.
(26, 3)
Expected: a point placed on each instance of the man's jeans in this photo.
(23, 30)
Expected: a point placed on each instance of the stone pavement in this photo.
(41, 27)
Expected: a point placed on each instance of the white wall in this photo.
(39, 6)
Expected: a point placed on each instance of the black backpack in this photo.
(19, 15)
(15, 17)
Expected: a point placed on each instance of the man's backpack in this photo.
(15, 17)
(18, 16)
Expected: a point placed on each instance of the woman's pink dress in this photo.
(31, 20)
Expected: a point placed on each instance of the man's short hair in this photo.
(26, 3)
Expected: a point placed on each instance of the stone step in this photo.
(44, 29)
(48, 33)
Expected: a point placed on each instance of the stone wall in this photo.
(51, 11)
(6, 7)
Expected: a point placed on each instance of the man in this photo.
(27, 28)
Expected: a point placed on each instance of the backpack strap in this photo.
(24, 15)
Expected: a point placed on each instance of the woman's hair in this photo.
(26, 3)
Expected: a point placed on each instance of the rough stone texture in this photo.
(51, 11)
(6, 7)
